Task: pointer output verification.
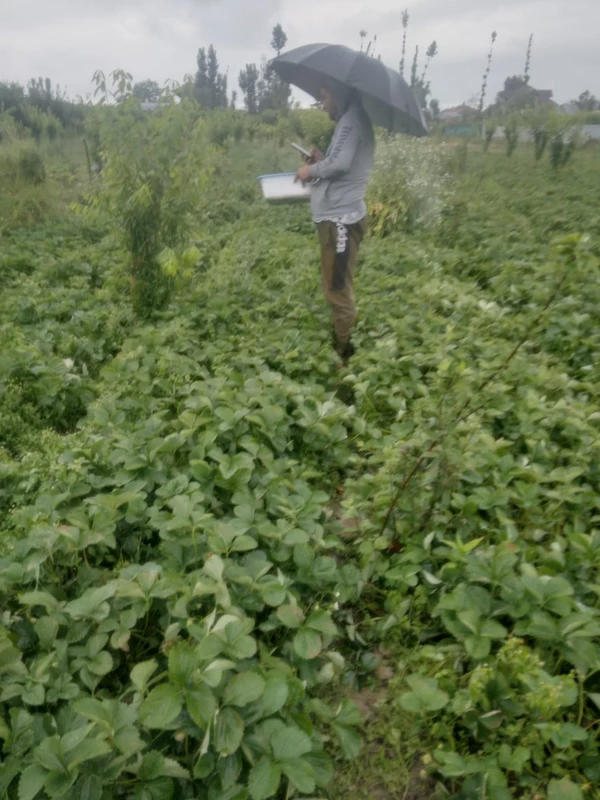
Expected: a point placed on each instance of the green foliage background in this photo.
(216, 549)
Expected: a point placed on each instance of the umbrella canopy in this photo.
(386, 96)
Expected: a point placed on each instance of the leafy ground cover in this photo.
(224, 563)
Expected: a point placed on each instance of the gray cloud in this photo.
(68, 40)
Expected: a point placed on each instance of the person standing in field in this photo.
(338, 205)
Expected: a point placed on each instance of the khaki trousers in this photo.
(339, 256)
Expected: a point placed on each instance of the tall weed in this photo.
(411, 185)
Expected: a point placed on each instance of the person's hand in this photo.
(304, 174)
(317, 155)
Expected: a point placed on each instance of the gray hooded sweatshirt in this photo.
(344, 173)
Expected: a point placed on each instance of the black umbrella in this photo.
(386, 96)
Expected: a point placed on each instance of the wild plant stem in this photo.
(465, 412)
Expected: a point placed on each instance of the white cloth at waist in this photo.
(346, 219)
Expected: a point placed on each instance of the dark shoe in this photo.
(347, 353)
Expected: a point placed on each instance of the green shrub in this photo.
(561, 152)
(313, 127)
(223, 125)
(9, 128)
(490, 128)
(155, 169)
(269, 117)
(511, 134)
(31, 167)
(540, 142)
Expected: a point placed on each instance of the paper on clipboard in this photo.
(301, 150)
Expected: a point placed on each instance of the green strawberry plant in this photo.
(211, 539)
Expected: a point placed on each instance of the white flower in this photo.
(413, 172)
(69, 363)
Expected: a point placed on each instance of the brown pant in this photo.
(339, 256)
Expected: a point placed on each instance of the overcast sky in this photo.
(67, 40)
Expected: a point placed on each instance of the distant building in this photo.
(456, 113)
(149, 106)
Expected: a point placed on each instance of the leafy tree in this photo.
(147, 91)
(39, 95)
(522, 99)
(122, 87)
(217, 81)
(528, 60)
(35, 121)
(263, 89)
(202, 73)
(9, 129)
(146, 187)
(12, 96)
(405, 20)
(514, 83)
(587, 102)
(212, 67)
(517, 94)
(486, 74)
(434, 107)
(187, 88)
(211, 84)
(420, 86)
(363, 35)
(262, 86)
(248, 81)
(415, 66)
(41, 91)
(222, 96)
(279, 39)
(432, 52)
(274, 93)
